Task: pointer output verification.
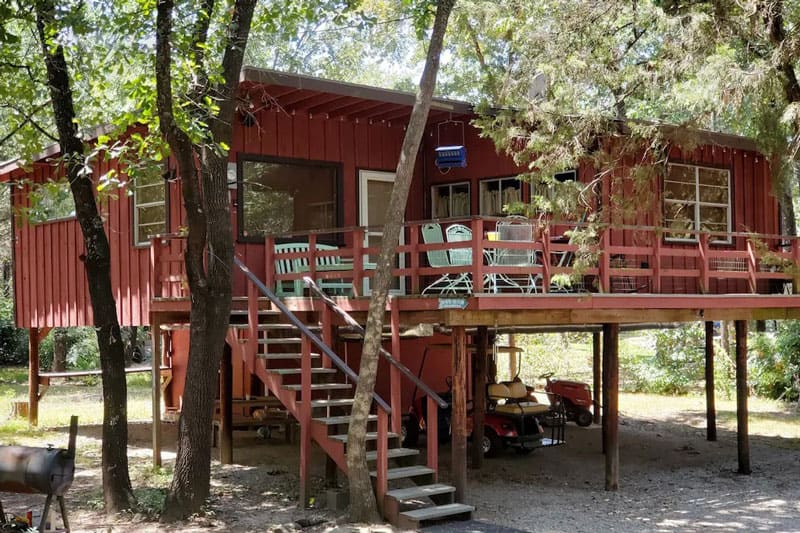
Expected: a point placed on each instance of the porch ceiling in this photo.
(294, 92)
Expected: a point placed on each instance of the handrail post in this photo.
(269, 261)
(605, 261)
(432, 425)
(705, 278)
(312, 256)
(657, 263)
(382, 466)
(358, 262)
(477, 255)
(327, 333)
(252, 325)
(155, 268)
(752, 266)
(546, 274)
(305, 420)
(413, 230)
(395, 385)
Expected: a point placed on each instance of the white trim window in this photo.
(149, 207)
(697, 199)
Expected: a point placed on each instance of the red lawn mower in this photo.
(575, 395)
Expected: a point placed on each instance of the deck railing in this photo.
(632, 259)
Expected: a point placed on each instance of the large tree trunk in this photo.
(59, 350)
(362, 499)
(209, 248)
(116, 481)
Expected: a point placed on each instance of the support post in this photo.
(596, 375)
(33, 377)
(155, 332)
(512, 356)
(226, 407)
(711, 411)
(604, 387)
(459, 417)
(395, 383)
(305, 421)
(611, 388)
(742, 437)
(479, 396)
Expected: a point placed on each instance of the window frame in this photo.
(697, 204)
(51, 219)
(449, 187)
(137, 243)
(484, 182)
(260, 158)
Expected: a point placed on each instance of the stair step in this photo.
(321, 386)
(262, 312)
(371, 435)
(287, 355)
(405, 472)
(335, 420)
(436, 512)
(394, 453)
(421, 491)
(333, 402)
(298, 371)
(288, 327)
(281, 340)
(261, 327)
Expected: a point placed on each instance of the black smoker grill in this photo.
(27, 469)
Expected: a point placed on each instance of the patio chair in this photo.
(518, 229)
(448, 282)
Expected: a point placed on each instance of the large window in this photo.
(696, 198)
(149, 206)
(282, 196)
(50, 201)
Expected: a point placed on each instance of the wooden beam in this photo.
(226, 407)
(711, 411)
(596, 375)
(742, 437)
(479, 395)
(459, 416)
(155, 374)
(612, 386)
(33, 377)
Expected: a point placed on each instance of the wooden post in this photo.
(155, 332)
(711, 412)
(611, 388)
(459, 416)
(395, 382)
(604, 387)
(226, 407)
(305, 422)
(479, 396)
(382, 459)
(596, 375)
(33, 377)
(512, 356)
(433, 437)
(742, 437)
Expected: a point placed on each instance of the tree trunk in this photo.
(362, 499)
(59, 350)
(209, 244)
(117, 491)
(131, 342)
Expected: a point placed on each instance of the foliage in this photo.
(775, 362)
(13, 340)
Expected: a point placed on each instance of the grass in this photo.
(82, 397)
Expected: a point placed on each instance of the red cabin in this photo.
(311, 169)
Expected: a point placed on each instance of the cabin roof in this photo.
(299, 92)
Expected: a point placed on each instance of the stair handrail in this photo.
(385, 353)
(296, 322)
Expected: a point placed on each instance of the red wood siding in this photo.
(50, 280)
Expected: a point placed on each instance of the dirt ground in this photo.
(671, 479)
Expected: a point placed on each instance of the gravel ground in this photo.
(671, 479)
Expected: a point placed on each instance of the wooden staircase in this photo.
(316, 387)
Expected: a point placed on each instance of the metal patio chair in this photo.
(518, 229)
(448, 282)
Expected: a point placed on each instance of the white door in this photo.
(374, 191)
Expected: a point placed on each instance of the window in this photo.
(696, 198)
(50, 201)
(282, 196)
(149, 206)
(451, 200)
(496, 193)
